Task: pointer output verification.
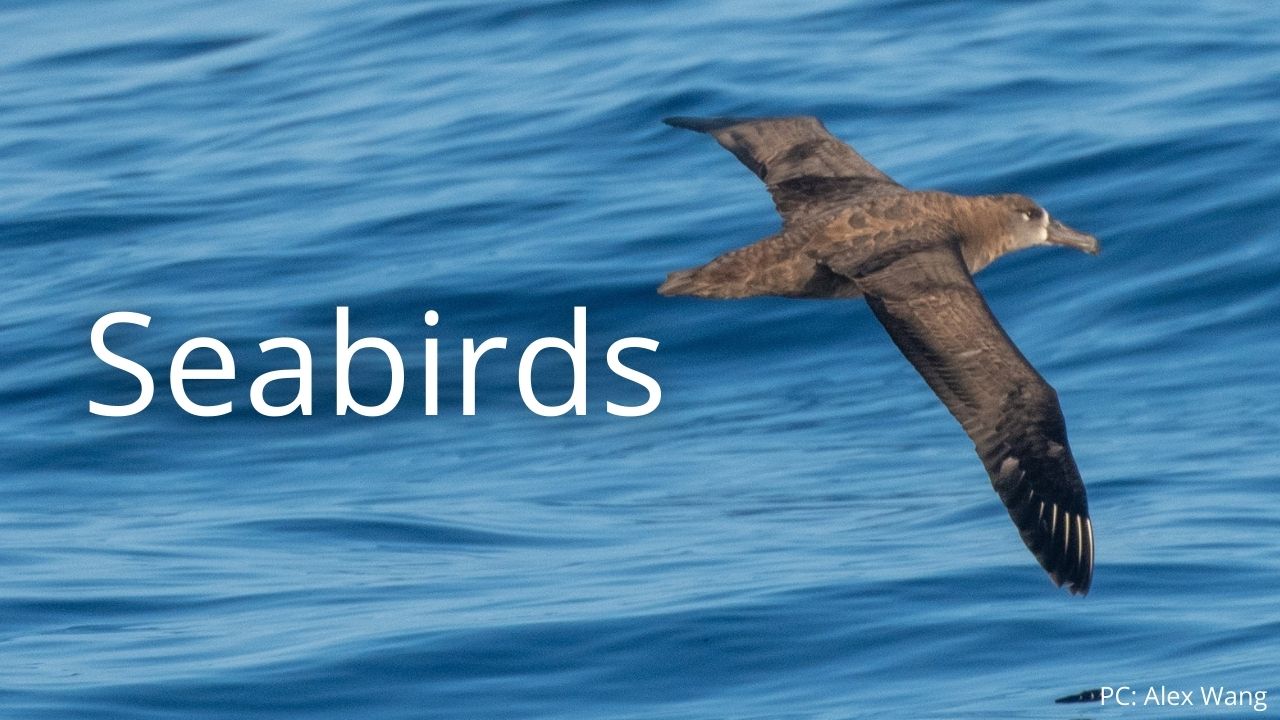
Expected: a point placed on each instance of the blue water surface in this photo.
(799, 531)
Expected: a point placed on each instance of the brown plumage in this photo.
(849, 230)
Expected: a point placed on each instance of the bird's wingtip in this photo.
(1093, 695)
(698, 124)
(1077, 583)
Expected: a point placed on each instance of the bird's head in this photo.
(1029, 225)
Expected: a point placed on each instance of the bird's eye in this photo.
(1026, 216)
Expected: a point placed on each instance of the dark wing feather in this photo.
(807, 170)
(927, 301)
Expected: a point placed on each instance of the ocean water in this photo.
(798, 531)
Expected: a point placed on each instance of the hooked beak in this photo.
(1060, 234)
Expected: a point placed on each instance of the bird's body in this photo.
(848, 231)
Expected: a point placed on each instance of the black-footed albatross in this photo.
(849, 230)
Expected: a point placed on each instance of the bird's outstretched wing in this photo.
(805, 167)
(926, 299)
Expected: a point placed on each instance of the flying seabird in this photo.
(849, 230)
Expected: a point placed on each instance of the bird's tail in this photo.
(708, 282)
(769, 267)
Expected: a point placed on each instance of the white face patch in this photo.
(1027, 233)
